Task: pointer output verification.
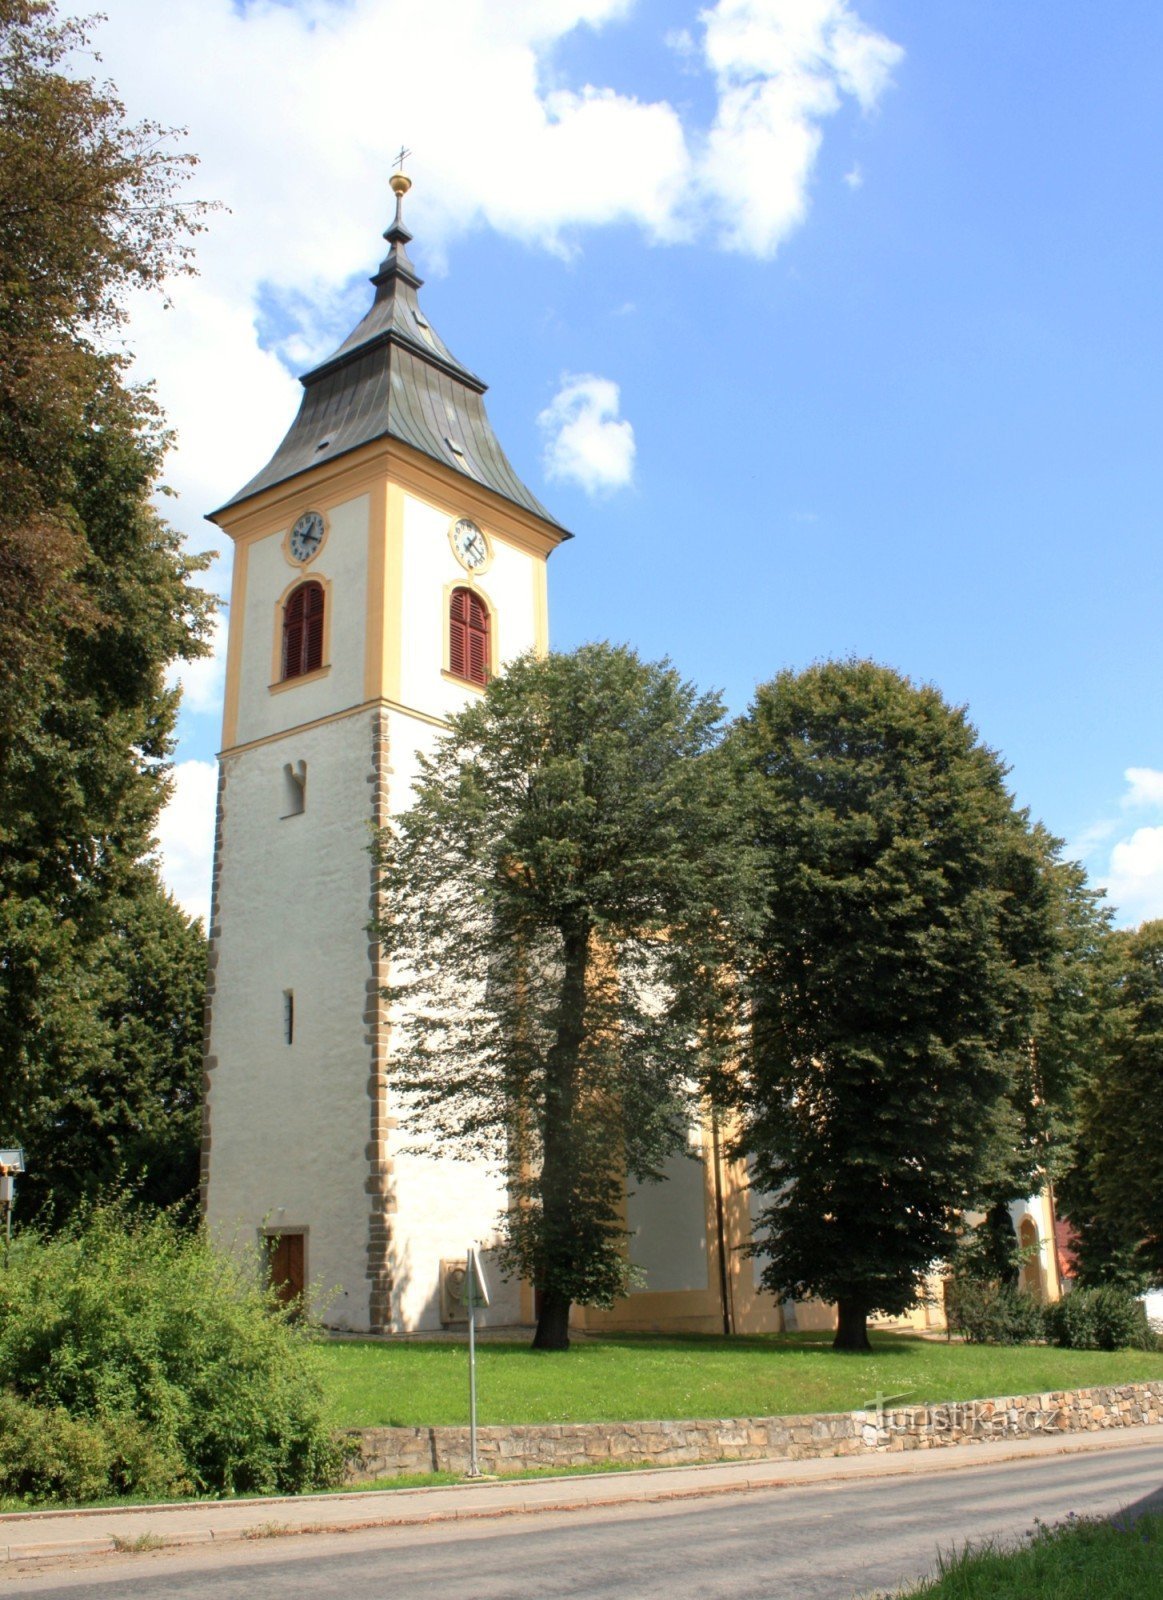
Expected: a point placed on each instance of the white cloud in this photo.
(1135, 878)
(585, 441)
(185, 835)
(781, 68)
(1130, 868)
(296, 109)
(854, 177)
(1144, 787)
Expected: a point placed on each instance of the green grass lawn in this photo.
(1119, 1560)
(627, 1378)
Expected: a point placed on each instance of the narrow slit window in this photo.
(289, 1015)
(294, 788)
(469, 642)
(303, 630)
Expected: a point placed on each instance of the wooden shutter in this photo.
(313, 641)
(303, 631)
(458, 633)
(468, 637)
(478, 641)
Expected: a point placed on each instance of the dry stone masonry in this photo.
(388, 1452)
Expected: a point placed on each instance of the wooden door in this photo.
(286, 1255)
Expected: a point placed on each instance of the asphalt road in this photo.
(824, 1542)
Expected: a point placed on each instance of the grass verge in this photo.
(1073, 1561)
(624, 1378)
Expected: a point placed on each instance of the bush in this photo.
(135, 1330)
(47, 1455)
(986, 1312)
(1107, 1318)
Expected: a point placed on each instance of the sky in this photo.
(828, 328)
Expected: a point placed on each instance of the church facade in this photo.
(387, 561)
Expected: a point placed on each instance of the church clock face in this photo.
(307, 536)
(469, 544)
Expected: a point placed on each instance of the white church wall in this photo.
(290, 1122)
(442, 1205)
(429, 571)
(668, 1226)
(342, 564)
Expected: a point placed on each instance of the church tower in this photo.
(387, 561)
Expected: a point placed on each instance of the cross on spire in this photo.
(398, 163)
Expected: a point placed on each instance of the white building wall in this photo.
(668, 1227)
(342, 565)
(429, 571)
(289, 1123)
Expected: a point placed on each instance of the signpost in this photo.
(11, 1165)
(477, 1293)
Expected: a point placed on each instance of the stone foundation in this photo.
(387, 1452)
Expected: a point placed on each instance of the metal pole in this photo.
(474, 1470)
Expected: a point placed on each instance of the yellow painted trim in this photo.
(393, 616)
(338, 481)
(234, 639)
(375, 639)
(466, 581)
(540, 608)
(380, 702)
(303, 677)
(277, 681)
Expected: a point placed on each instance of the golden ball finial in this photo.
(400, 184)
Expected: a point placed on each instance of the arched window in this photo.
(468, 637)
(303, 630)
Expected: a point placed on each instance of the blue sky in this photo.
(892, 390)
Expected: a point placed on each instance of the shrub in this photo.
(47, 1455)
(127, 1323)
(986, 1312)
(1107, 1318)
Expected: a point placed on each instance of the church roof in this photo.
(394, 377)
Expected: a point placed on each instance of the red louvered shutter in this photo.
(313, 643)
(457, 633)
(293, 635)
(303, 631)
(478, 641)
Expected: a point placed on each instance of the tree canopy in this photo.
(907, 927)
(1114, 1193)
(551, 910)
(97, 596)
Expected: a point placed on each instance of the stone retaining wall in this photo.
(387, 1452)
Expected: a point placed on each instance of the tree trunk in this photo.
(558, 1155)
(851, 1326)
(552, 1323)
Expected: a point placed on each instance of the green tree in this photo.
(550, 912)
(97, 597)
(907, 926)
(1114, 1195)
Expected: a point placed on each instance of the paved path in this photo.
(817, 1540)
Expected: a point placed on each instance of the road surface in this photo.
(813, 1542)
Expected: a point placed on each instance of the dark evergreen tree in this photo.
(907, 931)
(551, 912)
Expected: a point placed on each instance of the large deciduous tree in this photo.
(550, 910)
(1114, 1192)
(906, 931)
(97, 597)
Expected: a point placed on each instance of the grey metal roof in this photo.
(394, 376)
